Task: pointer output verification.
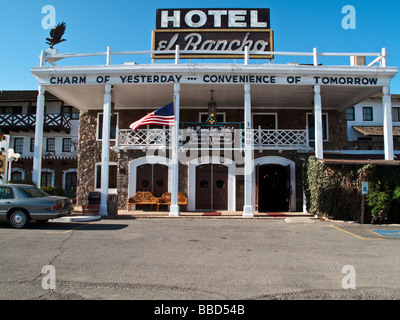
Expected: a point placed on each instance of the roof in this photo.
(24, 95)
(375, 130)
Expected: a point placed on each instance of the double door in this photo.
(153, 178)
(211, 187)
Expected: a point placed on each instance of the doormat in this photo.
(275, 214)
(211, 213)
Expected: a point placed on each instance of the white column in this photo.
(37, 158)
(387, 124)
(319, 151)
(174, 207)
(248, 154)
(105, 150)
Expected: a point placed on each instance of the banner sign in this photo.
(217, 30)
(204, 135)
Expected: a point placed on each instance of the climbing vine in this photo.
(334, 191)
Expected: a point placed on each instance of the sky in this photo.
(126, 25)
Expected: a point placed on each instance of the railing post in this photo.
(108, 56)
(177, 54)
(384, 57)
(246, 55)
(307, 138)
(42, 58)
(315, 56)
(117, 135)
(259, 137)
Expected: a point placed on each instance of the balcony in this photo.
(26, 122)
(143, 139)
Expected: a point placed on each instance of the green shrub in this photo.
(53, 191)
(334, 191)
(380, 203)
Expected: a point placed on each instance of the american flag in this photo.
(163, 116)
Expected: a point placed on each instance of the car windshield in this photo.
(33, 192)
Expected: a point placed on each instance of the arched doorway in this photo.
(149, 174)
(227, 169)
(273, 188)
(286, 170)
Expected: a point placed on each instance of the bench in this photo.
(165, 199)
(142, 197)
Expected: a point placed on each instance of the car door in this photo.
(6, 199)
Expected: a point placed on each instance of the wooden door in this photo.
(203, 187)
(144, 179)
(153, 178)
(160, 179)
(219, 187)
(211, 187)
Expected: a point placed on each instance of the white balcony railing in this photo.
(262, 139)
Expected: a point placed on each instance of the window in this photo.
(265, 121)
(16, 176)
(350, 114)
(6, 193)
(66, 145)
(70, 182)
(46, 179)
(112, 176)
(70, 111)
(50, 145)
(396, 114)
(311, 126)
(32, 109)
(113, 126)
(10, 110)
(18, 145)
(367, 114)
(32, 148)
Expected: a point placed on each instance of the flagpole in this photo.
(174, 208)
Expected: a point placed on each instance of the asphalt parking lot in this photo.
(188, 258)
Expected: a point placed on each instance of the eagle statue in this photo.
(56, 34)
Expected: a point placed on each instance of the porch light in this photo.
(212, 106)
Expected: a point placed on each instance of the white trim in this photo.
(97, 126)
(279, 161)
(192, 165)
(99, 165)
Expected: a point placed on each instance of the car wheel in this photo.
(19, 219)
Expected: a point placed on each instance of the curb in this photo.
(79, 218)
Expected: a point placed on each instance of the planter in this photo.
(91, 209)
